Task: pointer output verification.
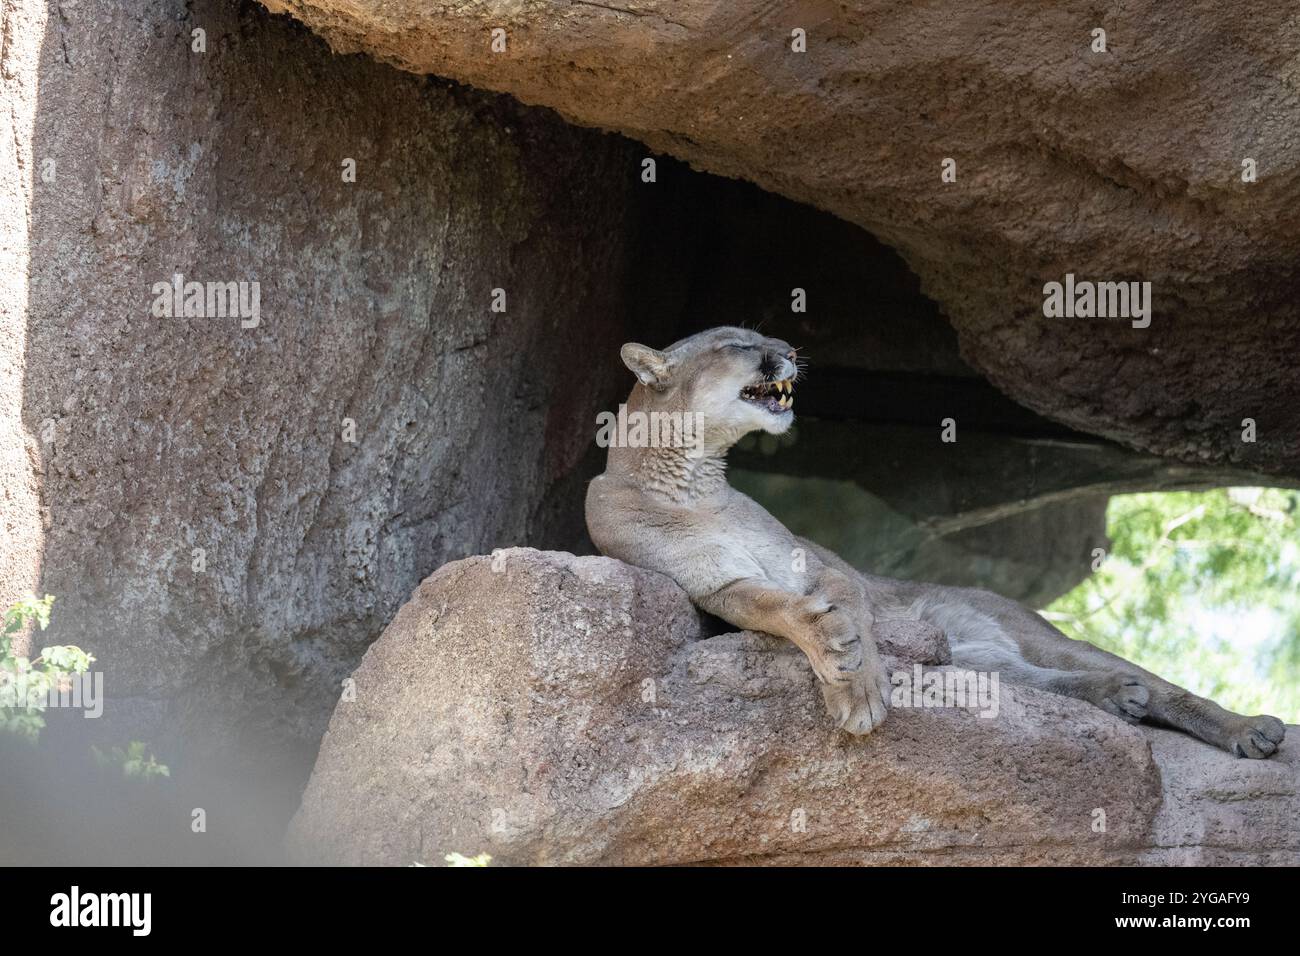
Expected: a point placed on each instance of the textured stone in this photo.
(1123, 165)
(21, 26)
(562, 710)
(1220, 811)
(150, 437)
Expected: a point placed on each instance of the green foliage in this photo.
(25, 687)
(25, 684)
(456, 859)
(135, 761)
(1202, 588)
(27, 609)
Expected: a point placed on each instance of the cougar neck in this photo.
(667, 458)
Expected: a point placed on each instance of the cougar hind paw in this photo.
(1258, 737)
(1125, 697)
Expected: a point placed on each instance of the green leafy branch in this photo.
(26, 685)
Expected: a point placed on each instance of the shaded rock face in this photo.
(1122, 165)
(1034, 555)
(548, 709)
(232, 513)
(1019, 514)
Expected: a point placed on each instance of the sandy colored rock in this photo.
(562, 710)
(1122, 165)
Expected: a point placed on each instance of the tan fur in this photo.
(671, 510)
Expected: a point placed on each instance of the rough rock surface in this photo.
(551, 709)
(1220, 811)
(20, 517)
(131, 156)
(1119, 165)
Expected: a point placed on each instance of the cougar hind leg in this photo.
(1172, 706)
(979, 641)
(990, 632)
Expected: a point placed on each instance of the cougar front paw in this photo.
(1257, 737)
(834, 646)
(858, 706)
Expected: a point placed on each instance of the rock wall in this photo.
(1125, 164)
(230, 511)
(21, 29)
(548, 709)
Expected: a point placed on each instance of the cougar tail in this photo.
(975, 636)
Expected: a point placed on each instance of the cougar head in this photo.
(735, 380)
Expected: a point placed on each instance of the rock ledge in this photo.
(552, 709)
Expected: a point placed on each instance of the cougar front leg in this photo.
(832, 627)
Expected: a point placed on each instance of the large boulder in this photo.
(229, 513)
(1125, 164)
(544, 708)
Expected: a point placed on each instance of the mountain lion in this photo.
(667, 506)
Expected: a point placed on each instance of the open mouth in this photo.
(776, 397)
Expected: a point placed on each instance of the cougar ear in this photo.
(651, 367)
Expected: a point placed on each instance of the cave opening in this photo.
(910, 464)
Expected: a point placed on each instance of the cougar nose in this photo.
(779, 365)
(791, 367)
